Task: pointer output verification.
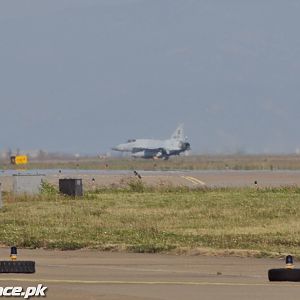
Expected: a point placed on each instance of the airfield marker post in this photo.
(1, 203)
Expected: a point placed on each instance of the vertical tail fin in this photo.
(178, 133)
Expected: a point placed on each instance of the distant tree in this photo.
(9, 153)
(42, 154)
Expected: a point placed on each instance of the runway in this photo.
(89, 274)
(93, 179)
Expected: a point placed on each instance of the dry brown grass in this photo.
(196, 162)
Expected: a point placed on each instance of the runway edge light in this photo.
(289, 273)
(289, 262)
(14, 266)
(13, 253)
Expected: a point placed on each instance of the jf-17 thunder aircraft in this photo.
(150, 148)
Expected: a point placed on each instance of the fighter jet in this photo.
(149, 148)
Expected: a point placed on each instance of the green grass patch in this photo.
(144, 219)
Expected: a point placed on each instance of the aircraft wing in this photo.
(149, 153)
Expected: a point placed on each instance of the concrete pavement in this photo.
(89, 274)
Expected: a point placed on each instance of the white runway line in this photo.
(133, 282)
(194, 180)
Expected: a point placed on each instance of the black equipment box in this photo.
(71, 187)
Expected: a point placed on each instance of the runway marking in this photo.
(193, 180)
(123, 282)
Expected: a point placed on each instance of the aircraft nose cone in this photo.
(120, 147)
(116, 148)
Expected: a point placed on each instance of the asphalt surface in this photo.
(87, 274)
(227, 178)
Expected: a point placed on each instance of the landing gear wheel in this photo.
(17, 266)
(284, 274)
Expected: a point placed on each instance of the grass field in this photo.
(196, 162)
(139, 219)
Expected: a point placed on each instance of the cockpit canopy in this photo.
(131, 140)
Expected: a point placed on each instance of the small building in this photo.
(27, 183)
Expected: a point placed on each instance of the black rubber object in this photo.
(17, 266)
(284, 274)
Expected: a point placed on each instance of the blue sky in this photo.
(83, 75)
